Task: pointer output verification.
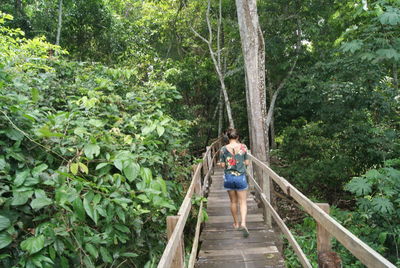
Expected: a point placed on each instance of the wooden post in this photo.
(266, 182)
(251, 172)
(326, 257)
(178, 261)
(197, 183)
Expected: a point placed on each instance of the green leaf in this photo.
(14, 134)
(101, 165)
(4, 223)
(47, 133)
(35, 94)
(39, 169)
(131, 171)
(382, 205)
(105, 255)
(91, 150)
(5, 239)
(78, 209)
(83, 168)
(359, 186)
(89, 209)
(33, 244)
(129, 254)
(20, 177)
(122, 228)
(390, 17)
(20, 198)
(41, 202)
(74, 168)
(145, 173)
(160, 130)
(388, 53)
(96, 123)
(352, 46)
(92, 250)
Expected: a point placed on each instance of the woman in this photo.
(233, 157)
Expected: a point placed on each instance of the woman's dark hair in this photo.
(232, 134)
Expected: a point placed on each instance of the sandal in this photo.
(245, 232)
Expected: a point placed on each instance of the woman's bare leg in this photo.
(242, 196)
(234, 207)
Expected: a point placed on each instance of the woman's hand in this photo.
(221, 164)
(247, 162)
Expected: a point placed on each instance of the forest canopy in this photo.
(106, 104)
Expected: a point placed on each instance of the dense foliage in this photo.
(87, 154)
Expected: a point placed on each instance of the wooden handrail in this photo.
(184, 210)
(358, 248)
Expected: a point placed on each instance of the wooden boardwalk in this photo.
(221, 246)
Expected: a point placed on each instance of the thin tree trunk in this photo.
(60, 4)
(395, 77)
(220, 113)
(217, 60)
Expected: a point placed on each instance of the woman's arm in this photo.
(247, 162)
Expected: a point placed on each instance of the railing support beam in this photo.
(178, 261)
(326, 257)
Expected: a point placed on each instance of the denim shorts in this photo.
(236, 183)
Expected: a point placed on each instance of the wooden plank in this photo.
(178, 260)
(221, 219)
(233, 252)
(193, 254)
(358, 248)
(238, 264)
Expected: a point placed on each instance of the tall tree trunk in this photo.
(253, 52)
(254, 62)
(60, 4)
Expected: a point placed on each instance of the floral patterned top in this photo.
(234, 164)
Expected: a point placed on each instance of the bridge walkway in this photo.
(222, 246)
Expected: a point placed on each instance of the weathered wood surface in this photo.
(222, 246)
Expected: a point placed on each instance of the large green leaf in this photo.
(90, 211)
(41, 202)
(131, 171)
(20, 198)
(33, 244)
(359, 186)
(39, 169)
(390, 17)
(92, 250)
(79, 209)
(4, 223)
(105, 255)
(5, 239)
(382, 205)
(21, 176)
(91, 150)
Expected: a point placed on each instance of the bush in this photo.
(87, 160)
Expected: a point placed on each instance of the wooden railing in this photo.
(326, 227)
(174, 253)
(259, 173)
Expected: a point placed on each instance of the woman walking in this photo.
(233, 157)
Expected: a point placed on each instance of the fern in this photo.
(359, 186)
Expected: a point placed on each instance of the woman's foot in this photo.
(235, 226)
(245, 231)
